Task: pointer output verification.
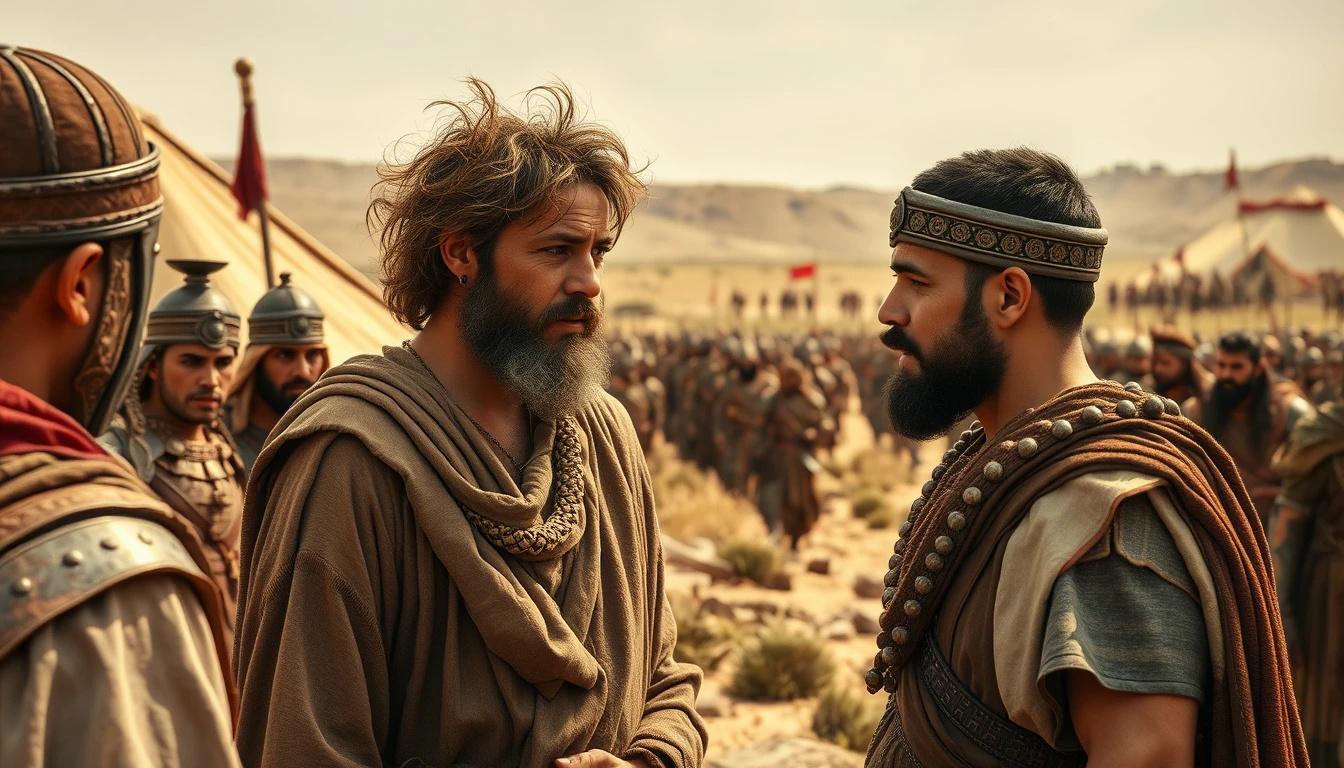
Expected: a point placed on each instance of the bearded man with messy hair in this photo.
(450, 554)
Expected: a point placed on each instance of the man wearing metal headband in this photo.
(1083, 579)
(110, 633)
(286, 352)
(169, 428)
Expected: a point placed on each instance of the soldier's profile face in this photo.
(925, 301)
(191, 379)
(950, 361)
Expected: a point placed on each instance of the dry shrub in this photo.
(877, 468)
(881, 518)
(703, 639)
(692, 504)
(780, 664)
(846, 718)
(872, 507)
(755, 559)
(868, 502)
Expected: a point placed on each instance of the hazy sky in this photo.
(801, 93)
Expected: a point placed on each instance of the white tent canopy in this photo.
(1293, 239)
(200, 221)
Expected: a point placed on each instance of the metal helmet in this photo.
(1140, 346)
(195, 313)
(286, 314)
(74, 168)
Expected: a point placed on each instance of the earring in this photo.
(462, 279)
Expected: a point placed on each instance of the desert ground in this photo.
(818, 606)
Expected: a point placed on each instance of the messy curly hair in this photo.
(485, 168)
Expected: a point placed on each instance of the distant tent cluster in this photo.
(1285, 250)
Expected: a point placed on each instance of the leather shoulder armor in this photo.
(140, 451)
(58, 570)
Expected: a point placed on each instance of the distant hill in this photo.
(1150, 213)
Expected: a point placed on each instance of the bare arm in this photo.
(1130, 729)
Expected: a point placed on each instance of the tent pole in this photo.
(265, 217)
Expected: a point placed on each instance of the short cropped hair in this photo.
(487, 167)
(1028, 183)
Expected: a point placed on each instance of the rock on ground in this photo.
(866, 586)
(795, 753)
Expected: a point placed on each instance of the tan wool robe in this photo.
(377, 626)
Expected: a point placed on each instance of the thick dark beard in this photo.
(966, 367)
(274, 397)
(552, 379)
(1224, 398)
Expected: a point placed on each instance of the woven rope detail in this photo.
(543, 538)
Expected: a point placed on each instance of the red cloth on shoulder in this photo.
(29, 424)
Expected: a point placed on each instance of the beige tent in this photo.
(1292, 241)
(200, 221)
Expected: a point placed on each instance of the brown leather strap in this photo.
(998, 736)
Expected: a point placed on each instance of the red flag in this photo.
(802, 270)
(1230, 180)
(249, 175)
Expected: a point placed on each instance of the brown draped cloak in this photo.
(942, 604)
(378, 625)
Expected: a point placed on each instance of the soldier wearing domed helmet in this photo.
(111, 635)
(170, 430)
(286, 353)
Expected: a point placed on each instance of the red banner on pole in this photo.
(1230, 180)
(802, 270)
(249, 175)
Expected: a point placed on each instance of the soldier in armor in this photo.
(794, 418)
(170, 431)
(646, 369)
(111, 636)
(1139, 362)
(286, 353)
(630, 393)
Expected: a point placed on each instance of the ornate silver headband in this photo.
(996, 238)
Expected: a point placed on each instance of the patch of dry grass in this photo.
(877, 468)
(874, 508)
(757, 559)
(777, 663)
(846, 718)
(703, 639)
(692, 504)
